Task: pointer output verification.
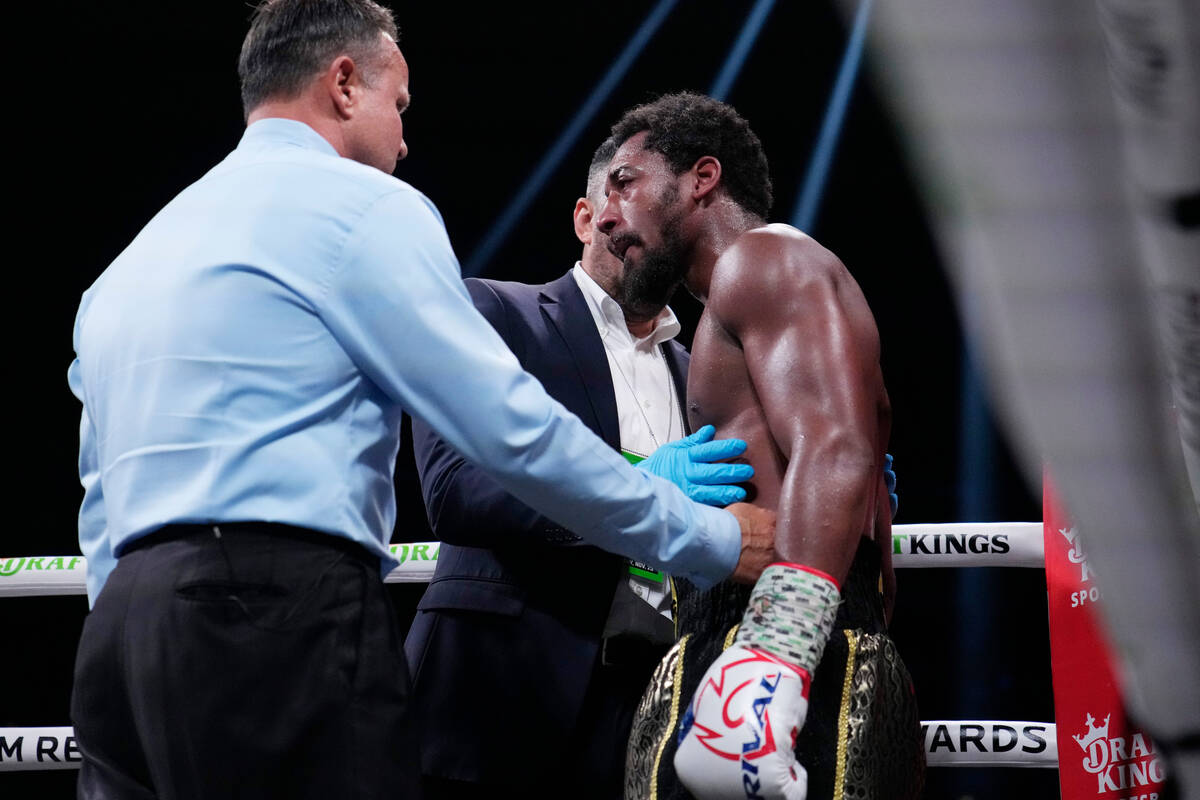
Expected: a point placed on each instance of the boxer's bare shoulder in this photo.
(777, 269)
(779, 292)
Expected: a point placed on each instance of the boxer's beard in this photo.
(649, 282)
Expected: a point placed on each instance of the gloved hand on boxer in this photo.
(688, 463)
(738, 735)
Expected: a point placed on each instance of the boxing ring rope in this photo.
(948, 743)
(957, 544)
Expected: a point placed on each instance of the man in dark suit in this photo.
(530, 651)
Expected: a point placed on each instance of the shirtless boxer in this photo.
(786, 356)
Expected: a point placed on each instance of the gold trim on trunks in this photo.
(673, 720)
(729, 638)
(843, 730)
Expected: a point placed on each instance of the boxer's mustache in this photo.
(618, 244)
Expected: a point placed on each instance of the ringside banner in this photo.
(968, 544)
(38, 748)
(1102, 756)
(948, 743)
(988, 743)
(35, 576)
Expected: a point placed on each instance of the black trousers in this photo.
(593, 767)
(262, 662)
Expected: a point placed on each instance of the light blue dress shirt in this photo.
(248, 356)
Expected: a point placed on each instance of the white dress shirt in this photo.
(649, 410)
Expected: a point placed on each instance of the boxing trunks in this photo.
(862, 737)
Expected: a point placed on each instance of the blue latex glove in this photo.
(687, 464)
(889, 479)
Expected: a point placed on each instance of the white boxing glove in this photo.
(739, 734)
(737, 739)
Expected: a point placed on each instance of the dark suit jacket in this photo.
(508, 633)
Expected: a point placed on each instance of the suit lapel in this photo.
(565, 307)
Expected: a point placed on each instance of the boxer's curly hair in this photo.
(290, 41)
(686, 126)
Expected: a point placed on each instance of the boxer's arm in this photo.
(798, 317)
(780, 298)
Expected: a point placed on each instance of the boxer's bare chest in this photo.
(720, 392)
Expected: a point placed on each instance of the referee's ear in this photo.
(342, 83)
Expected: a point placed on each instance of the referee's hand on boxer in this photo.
(758, 541)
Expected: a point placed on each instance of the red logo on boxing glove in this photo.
(738, 736)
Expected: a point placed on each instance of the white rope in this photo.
(969, 544)
(38, 748)
(948, 743)
(417, 562)
(990, 743)
(39, 576)
(957, 544)
(29, 576)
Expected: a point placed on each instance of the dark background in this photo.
(119, 106)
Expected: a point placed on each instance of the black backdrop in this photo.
(117, 107)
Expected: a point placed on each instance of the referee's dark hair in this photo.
(290, 41)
